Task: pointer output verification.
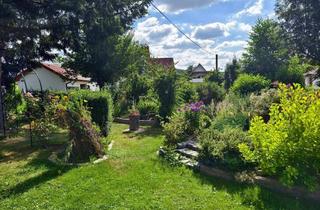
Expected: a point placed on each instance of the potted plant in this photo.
(134, 119)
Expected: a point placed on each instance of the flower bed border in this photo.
(269, 183)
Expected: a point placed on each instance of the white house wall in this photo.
(49, 81)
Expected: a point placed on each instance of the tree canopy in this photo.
(32, 31)
(267, 49)
(301, 21)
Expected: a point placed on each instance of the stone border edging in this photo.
(53, 158)
(268, 183)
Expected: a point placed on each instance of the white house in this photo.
(311, 78)
(52, 77)
(198, 74)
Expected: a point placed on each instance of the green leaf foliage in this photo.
(100, 105)
(289, 144)
(267, 49)
(246, 84)
(301, 21)
(210, 92)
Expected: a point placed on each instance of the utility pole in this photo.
(217, 63)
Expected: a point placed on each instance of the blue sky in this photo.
(219, 26)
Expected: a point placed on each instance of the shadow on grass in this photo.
(251, 195)
(256, 196)
(41, 161)
(18, 148)
(148, 132)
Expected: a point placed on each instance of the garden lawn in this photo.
(132, 178)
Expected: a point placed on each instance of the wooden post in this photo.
(217, 62)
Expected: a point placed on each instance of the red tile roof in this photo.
(57, 69)
(165, 62)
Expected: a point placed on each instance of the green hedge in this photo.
(100, 106)
(246, 84)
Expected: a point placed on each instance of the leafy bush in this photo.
(100, 106)
(260, 104)
(232, 113)
(184, 123)
(175, 129)
(247, 83)
(148, 107)
(289, 144)
(209, 92)
(221, 147)
(186, 92)
(293, 73)
(165, 87)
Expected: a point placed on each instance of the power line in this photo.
(184, 34)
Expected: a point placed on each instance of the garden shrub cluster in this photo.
(246, 84)
(221, 147)
(232, 112)
(288, 145)
(210, 92)
(184, 123)
(148, 107)
(100, 105)
(48, 111)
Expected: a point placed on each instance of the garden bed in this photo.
(266, 182)
(142, 122)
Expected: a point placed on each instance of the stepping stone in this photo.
(189, 144)
(188, 153)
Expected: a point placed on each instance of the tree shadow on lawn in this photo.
(256, 196)
(41, 161)
(148, 132)
(18, 149)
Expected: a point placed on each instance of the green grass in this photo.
(132, 178)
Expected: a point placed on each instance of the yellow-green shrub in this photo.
(289, 144)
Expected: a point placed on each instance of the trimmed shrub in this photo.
(100, 106)
(289, 144)
(148, 107)
(246, 84)
(221, 147)
(210, 92)
(165, 87)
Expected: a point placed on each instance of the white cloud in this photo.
(212, 30)
(245, 27)
(165, 41)
(177, 6)
(253, 10)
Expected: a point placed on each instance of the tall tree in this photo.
(301, 21)
(267, 49)
(31, 29)
(106, 59)
(230, 74)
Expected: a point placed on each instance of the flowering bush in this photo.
(289, 144)
(184, 123)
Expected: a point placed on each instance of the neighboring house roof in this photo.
(199, 68)
(58, 70)
(165, 62)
